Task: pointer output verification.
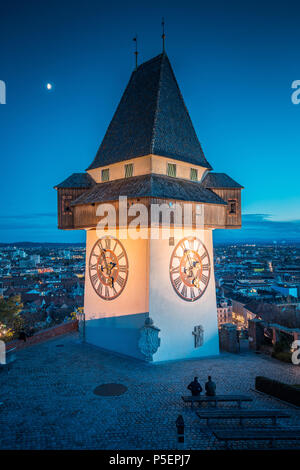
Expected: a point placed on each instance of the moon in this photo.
(49, 86)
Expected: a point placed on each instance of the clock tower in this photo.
(148, 203)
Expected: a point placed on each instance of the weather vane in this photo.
(136, 51)
(163, 33)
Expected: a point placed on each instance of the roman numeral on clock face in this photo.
(100, 288)
(94, 278)
(175, 270)
(184, 291)
(107, 243)
(177, 282)
(191, 243)
(120, 280)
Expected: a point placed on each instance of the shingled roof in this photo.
(220, 180)
(151, 118)
(77, 180)
(151, 185)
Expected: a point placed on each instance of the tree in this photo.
(9, 309)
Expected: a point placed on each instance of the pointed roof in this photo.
(76, 181)
(220, 181)
(151, 118)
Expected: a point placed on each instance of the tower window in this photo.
(105, 175)
(194, 174)
(128, 170)
(66, 201)
(232, 206)
(171, 169)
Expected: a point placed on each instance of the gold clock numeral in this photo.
(122, 268)
(204, 279)
(192, 293)
(106, 291)
(107, 243)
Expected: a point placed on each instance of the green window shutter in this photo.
(194, 174)
(171, 169)
(128, 170)
(105, 175)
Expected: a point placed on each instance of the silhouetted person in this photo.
(195, 387)
(210, 387)
(22, 335)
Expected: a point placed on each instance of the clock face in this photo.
(108, 268)
(190, 269)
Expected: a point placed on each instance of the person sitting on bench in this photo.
(195, 387)
(210, 388)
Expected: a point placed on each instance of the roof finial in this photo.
(163, 33)
(136, 52)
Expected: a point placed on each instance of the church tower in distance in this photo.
(150, 297)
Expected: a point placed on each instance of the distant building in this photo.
(26, 263)
(67, 254)
(224, 310)
(286, 289)
(36, 259)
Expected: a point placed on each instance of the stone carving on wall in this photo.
(198, 336)
(149, 341)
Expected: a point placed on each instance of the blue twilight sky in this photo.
(234, 61)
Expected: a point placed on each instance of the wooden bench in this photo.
(216, 399)
(270, 435)
(242, 414)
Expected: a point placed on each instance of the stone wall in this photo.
(256, 334)
(44, 335)
(228, 338)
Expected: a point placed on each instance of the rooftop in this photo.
(220, 180)
(151, 185)
(77, 180)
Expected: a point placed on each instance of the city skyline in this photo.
(235, 73)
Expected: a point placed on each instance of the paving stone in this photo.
(49, 401)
